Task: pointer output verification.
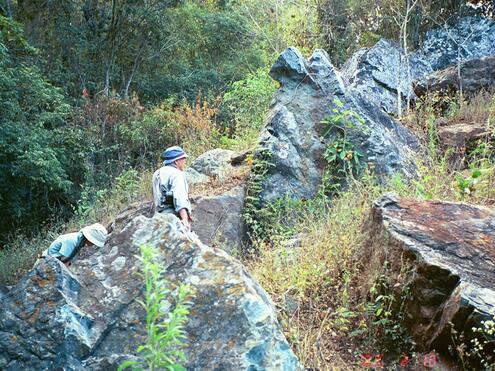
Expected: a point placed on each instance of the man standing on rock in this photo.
(170, 188)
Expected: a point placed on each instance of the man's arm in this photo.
(181, 198)
(155, 187)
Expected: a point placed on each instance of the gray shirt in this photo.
(175, 181)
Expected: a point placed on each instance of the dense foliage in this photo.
(158, 48)
(40, 151)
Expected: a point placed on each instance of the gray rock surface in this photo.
(214, 163)
(88, 317)
(470, 38)
(195, 177)
(475, 75)
(218, 220)
(217, 179)
(376, 73)
(450, 249)
(294, 136)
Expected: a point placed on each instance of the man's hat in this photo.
(172, 154)
(96, 234)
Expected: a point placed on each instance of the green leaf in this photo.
(476, 173)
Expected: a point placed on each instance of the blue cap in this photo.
(172, 154)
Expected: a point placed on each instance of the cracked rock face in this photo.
(295, 137)
(475, 75)
(451, 251)
(88, 318)
(378, 72)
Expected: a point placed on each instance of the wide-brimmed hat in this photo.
(172, 154)
(96, 234)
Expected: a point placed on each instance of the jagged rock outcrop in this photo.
(376, 73)
(470, 38)
(450, 251)
(294, 136)
(475, 75)
(88, 317)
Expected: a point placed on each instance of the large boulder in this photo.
(88, 317)
(444, 256)
(215, 163)
(218, 220)
(475, 75)
(217, 179)
(294, 138)
(379, 72)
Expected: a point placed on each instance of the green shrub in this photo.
(165, 328)
(40, 153)
(244, 107)
(344, 158)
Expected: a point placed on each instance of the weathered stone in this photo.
(194, 177)
(462, 135)
(294, 136)
(470, 38)
(214, 163)
(378, 72)
(88, 317)
(130, 212)
(450, 251)
(218, 220)
(476, 75)
(240, 158)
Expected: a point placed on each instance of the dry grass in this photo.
(319, 278)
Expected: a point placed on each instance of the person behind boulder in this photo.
(66, 246)
(170, 188)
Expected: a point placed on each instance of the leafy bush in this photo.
(342, 155)
(244, 107)
(196, 127)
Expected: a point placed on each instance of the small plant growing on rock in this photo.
(254, 215)
(165, 327)
(341, 153)
(478, 351)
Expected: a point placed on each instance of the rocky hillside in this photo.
(88, 316)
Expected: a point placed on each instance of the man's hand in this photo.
(65, 260)
(185, 218)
